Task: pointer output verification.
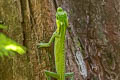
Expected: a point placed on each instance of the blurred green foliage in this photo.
(9, 47)
(3, 26)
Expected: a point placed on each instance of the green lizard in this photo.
(59, 48)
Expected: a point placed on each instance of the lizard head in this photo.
(61, 17)
(59, 9)
(60, 14)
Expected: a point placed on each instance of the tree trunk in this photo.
(92, 40)
(95, 24)
(29, 21)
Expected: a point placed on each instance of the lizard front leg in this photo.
(55, 34)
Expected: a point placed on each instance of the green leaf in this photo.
(10, 47)
(3, 26)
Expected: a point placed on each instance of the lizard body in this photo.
(59, 47)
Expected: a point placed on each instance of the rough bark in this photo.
(95, 23)
(29, 21)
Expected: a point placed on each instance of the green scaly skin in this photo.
(59, 47)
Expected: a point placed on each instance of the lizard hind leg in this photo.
(69, 75)
(51, 74)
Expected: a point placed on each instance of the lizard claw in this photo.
(38, 45)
